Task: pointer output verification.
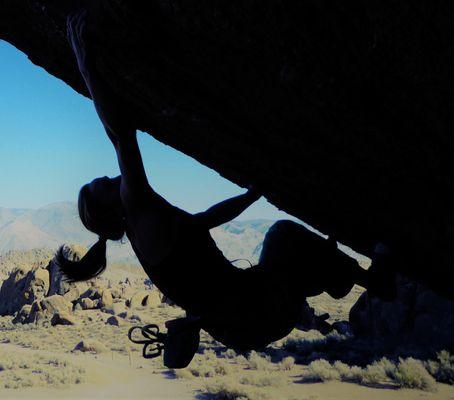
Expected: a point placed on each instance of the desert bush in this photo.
(441, 369)
(182, 373)
(410, 373)
(263, 380)
(229, 390)
(286, 364)
(222, 368)
(374, 375)
(229, 353)
(320, 371)
(258, 362)
(203, 370)
(349, 374)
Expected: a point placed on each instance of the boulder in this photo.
(139, 299)
(417, 314)
(106, 298)
(56, 304)
(90, 345)
(113, 320)
(73, 294)
(63, 318)
(145, 298)
(87, 304)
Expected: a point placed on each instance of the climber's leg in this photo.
(309, 262)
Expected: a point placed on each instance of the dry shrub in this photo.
(442, 369)
(321, 371)
(230, 390)
(410, 373)
(263, 380)
(286, 364)
(259, 363)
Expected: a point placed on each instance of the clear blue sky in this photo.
(52, 143)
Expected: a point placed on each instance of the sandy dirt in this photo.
(107, 378)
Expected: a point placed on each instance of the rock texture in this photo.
(341, 112)
(416, 315)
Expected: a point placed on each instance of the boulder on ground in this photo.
(90, 345)
(106, 298)
(87, 304)
(63, 318)
(114, 321)
(55, 304)
(145, 298)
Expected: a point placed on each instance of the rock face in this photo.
(340, 111)
(416, 315)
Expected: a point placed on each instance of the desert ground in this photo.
(38, 360)
(69, 341)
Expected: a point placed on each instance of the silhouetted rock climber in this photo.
(243, 309)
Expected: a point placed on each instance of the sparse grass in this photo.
(408, 373)
(22, 371)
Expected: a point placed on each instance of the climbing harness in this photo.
(153, 344)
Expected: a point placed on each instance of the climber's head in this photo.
(100, 208)
(101, 212)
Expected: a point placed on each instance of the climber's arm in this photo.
(227, 210)
(113, 114)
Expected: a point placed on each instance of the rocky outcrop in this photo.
(58, 285)
(341, 112)
(23, 286)
(417, 315)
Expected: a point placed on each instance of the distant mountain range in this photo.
(56, 224)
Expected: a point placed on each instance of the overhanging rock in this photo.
(341, 111)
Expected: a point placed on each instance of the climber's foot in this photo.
(182, 342)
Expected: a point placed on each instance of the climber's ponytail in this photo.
(91, 265)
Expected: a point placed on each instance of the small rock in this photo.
(90, 345)
(113, 320)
